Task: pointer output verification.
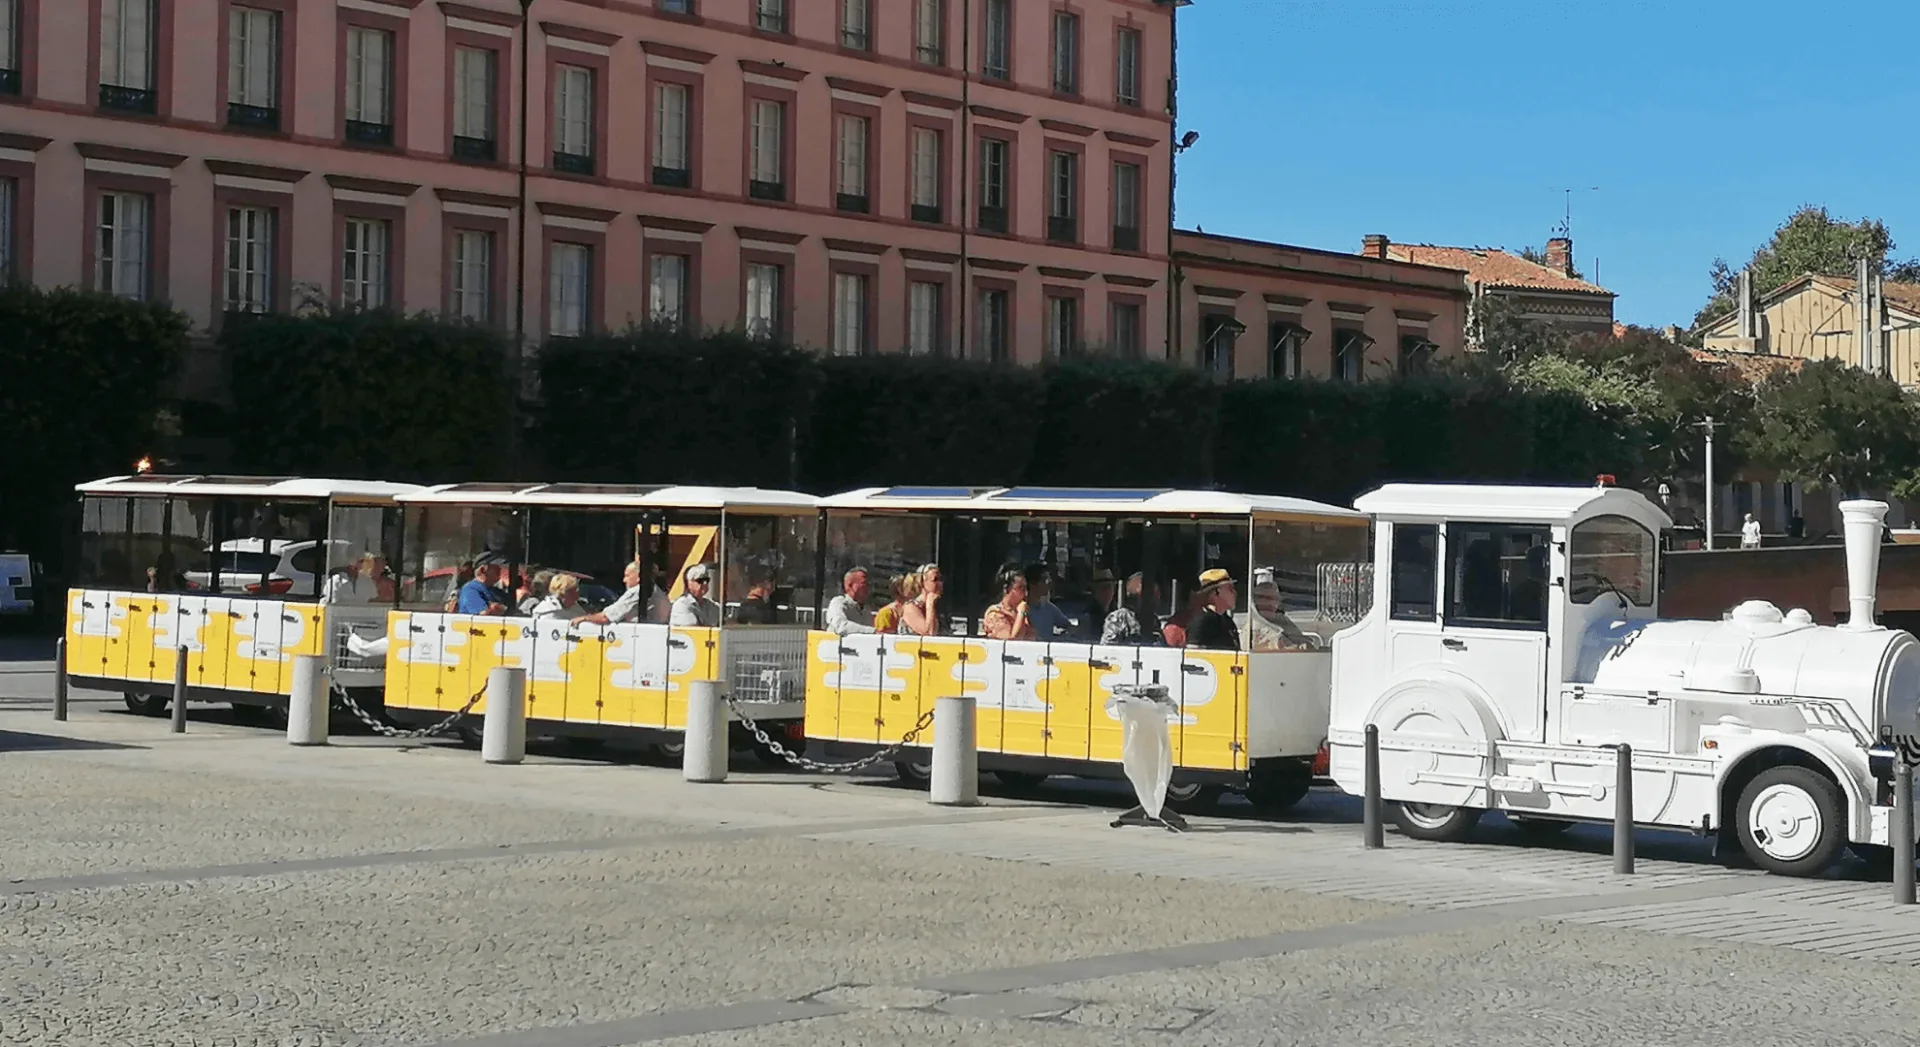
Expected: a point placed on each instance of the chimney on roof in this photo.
(1560, 255)
(1374, 245)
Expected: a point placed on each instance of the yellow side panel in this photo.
(1070, 700)
(902, 691)
(398, 680)
(823, 687)
(546, 647)
(633, 675)
(693, 654)
(1023, 707)
(114, 665)
(311, 619)
(1213, 728)
(473, 639)
(142, 661)
(208, 664)
(1107, 668)
(952, 667)
(865, 679)
(251, 626)
(429, 658)
(589, 697)
(89, 618)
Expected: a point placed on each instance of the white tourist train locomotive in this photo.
(1514, 642)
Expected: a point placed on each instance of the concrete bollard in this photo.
(1375, 832)
(307, 706)
(60, 679)
(707, 753)
(1623, 810)
(956, 754)
(180, 690)
(1902, 830)
(503, 736)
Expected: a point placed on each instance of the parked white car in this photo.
(17, 571)
(268, 567)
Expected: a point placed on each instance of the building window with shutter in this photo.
(930, 32)
(248, 284)
(1416, 353)
(1126, 72)
(127, 64)
(253, 68)
(124, 251)
(855, 24)
(1063, 327)
(1126, 207)
(1218, 333)
(1350, 354)
(475, 71)
(364, 263)
(673, 135)
(993, 333)
(996, 59)
(1285, 339)
(925, 331)
(470, 292)
(1063, 191)
(369, 106)
(1066, 53)
(573, 119)
(994, 156)
(926, 175)
(569, 290)
(667, 290)
(850, 189)
(766, 179)
(1123, 331)
(763, 300)
(770, 16)
(849, 314)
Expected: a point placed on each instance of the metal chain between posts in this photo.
(805, 764)
(432, 730)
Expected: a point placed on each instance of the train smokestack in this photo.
(1864, 523)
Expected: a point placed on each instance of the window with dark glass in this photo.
(997, 48)
(1611, 554)
(1497, 575)
(1066, 53)
(369, 102)
(1126, 207)
(994, 154)
(1415, 585)
(770, 16)
(1126, 73)
(1284, 341)
(127, 61)
(253, 68)
(1063, 191)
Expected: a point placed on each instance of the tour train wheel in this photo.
(918, 775)
(147, 704)
(1025, 779)
(1191, 797)
(1791, 821)
(1275, 787)
(1432, 821)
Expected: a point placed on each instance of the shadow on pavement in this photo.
(26, 649)
(26, 741)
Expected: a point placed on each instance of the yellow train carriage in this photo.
(244, 573)
(589, 678)
(1252, 719)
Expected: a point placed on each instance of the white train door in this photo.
(1493, 620)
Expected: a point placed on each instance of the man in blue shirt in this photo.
(484, 595)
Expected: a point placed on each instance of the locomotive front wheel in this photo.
(1792, 821)
(1433, 821)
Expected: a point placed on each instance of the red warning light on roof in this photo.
(1606, 480)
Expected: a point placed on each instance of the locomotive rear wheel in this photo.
(1433, 821)
(1791, 821)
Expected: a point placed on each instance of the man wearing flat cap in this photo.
(1213, 627)
(484, 595)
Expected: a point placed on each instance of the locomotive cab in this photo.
(1514, 643)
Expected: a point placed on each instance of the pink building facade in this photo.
(971, 177)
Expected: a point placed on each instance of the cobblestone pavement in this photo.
(220, 887)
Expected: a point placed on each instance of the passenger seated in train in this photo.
(1007, 618)
(1213, 628)
(921, 615)
(355, 582)
(484, 595)
(847, 613)
(757, 607)
(1123, 625)
(1049, 621)
(1268, 624)
(904, 587)
(694, 609)
(562, 599)
(627, 608)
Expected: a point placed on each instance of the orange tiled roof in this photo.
(1751, 367)
(1493, 267)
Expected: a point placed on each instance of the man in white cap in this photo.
(694, 609)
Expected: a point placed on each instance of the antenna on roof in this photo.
(1566, 220)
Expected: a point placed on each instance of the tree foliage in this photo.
(1830, 425)
(369, 393)
(85, 381)
(1811, 240)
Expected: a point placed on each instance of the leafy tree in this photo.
(1811, 240)
(1831, 425)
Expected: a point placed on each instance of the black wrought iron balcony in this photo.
(253, 117)
(129, 99)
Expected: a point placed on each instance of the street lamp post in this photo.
(1708, 427)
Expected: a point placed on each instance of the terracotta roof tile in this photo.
(1751, 367)
(1493, 267)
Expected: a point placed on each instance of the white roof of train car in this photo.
(614, 496)
(156, 485)
(1500, 503)
(1101, 501)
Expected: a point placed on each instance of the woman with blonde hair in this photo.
(904, 588)
(562, 599)
(921, 615)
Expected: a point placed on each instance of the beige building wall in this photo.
(1817, 318)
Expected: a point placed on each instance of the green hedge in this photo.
(350, 393)
(84, 381)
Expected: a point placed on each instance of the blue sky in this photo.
(1703, 122)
